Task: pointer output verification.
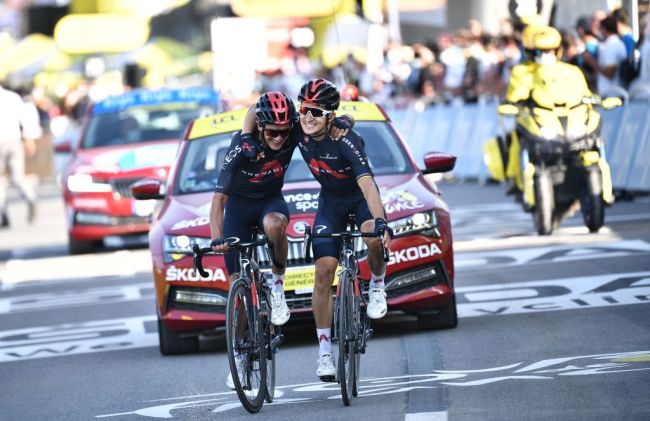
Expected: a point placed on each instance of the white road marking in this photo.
(554, 295)
(123, 262)
(76, 297)
(562, 253)
(76, 338)
(490, 300)
(427, 416)
(553, 369)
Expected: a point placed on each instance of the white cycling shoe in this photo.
(326, 368)
(279, 309)
(376, 303)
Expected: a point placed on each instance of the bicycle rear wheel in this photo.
(244, 332)
(347, 338)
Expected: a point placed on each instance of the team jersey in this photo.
(246, 177)
(336, 165)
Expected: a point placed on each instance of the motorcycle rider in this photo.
(554, 87)
(543, 43)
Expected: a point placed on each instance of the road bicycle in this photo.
(252, 340)
(351, 326)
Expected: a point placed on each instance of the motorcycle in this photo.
(555, 155)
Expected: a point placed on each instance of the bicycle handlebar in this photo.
(344, 235)
(235, 244)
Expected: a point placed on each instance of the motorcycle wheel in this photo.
(591, 201)
(544, 203)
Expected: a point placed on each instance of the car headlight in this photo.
(425, 222)
(176, 247)
(85, 183)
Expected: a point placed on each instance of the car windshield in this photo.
(141, 124)
(202, 161)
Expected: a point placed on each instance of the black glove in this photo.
(344, 122)
(381, 226)
(250, 147)
(217, 242)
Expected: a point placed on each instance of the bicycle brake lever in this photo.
(385, 253)
(198, 264)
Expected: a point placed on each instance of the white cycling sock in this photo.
(324, 341)
(377, 281)
(276, 283)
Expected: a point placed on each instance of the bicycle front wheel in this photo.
(347, 337)
(246, 351)
(270, 332)
(360, 322)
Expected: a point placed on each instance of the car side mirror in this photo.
(611, 102)
(148, 188)
(508, 110)
(63, 147)
(437, 162)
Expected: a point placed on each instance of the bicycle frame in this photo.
(354, 327)
(263, 338)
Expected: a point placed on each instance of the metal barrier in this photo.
(462, 129)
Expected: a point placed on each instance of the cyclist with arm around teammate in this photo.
(249, 190)
(347, 185)
(248, 193)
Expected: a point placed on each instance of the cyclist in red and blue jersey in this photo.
(248, 194)
(248, 191)
(348, 185)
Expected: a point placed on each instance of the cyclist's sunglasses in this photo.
(275, 133)
(315, 112)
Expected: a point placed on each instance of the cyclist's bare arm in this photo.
(373, 199)
(216, 219)
(250, 121)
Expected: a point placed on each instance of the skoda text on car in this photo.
(420, 273)
(124, 138)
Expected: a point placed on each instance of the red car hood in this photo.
(117, 160)
(402, 195)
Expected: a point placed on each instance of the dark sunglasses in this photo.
(315, 112)
(276, 133)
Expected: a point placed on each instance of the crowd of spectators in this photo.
(471, 65)
(466, 66)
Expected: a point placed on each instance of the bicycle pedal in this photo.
(369, 333)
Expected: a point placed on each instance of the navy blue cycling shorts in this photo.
(241, 214)
(333, 210)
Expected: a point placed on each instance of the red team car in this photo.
(124, 138)
(420, 273)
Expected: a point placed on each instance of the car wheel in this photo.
(81, 246)
(171, 343)
(446, 318)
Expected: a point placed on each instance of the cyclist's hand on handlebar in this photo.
(383, 230)
(219, 245)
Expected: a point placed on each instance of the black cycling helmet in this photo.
(275, 108)
(321, 93)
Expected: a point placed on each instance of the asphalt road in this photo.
(550, 328)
